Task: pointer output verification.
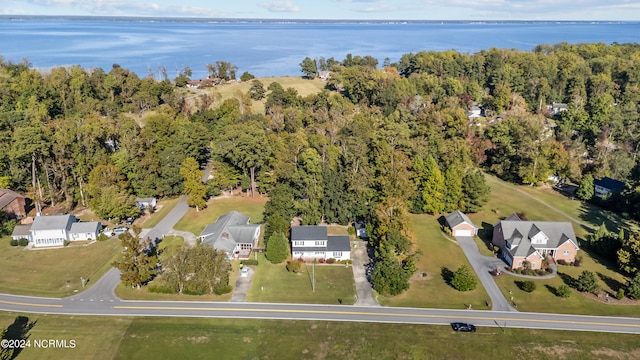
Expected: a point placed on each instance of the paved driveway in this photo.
(360, 260)
(242, 286)
(482, 266)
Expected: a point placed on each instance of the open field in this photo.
(303, 86)
(53, 272)
(195, 222)
(163, 207)
(176, 338)
(437, 252)
(273, 283)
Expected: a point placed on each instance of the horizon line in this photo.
(231, 19)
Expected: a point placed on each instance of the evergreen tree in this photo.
(277, 248)
(275, 224)
(475, 191)
(454, 193)
(431, 185)
(309, 68)
(586, 190)
(587, 282)
(257, 90)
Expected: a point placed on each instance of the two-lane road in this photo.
(114, 307)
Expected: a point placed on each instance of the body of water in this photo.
(269, 48)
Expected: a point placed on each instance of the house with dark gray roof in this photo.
(460, 224)
(54, 230)
(533, 241)
(233, 234)
(605, 187)
(313, 242)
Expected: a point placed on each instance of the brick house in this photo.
(533, 241)
(13, 203)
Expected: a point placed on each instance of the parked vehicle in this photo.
(244, 272)
(463, 327)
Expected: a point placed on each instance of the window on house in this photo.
(298, 243)
(320, 243)
(519, 263)
(337, 254)
(565, 253)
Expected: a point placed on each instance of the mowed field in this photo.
(181, 338)
(54, 272)
(226, 91)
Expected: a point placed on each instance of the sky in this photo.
(628, 10)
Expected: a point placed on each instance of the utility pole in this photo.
(313, 276)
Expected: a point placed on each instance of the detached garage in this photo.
(460, 224)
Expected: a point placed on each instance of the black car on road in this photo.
(463, 327)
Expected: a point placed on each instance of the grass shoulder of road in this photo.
(54, 272)
(428, 288)
(195, 221)
(169, 241)
(273, 283)
(163, 207)
(190, 338)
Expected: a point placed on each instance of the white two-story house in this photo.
(312, 242)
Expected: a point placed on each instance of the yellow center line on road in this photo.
(468, 317)
(29, 304)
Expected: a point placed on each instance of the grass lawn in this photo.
(170, 240)
(437, 252)
(506, 199)
(163, 207)
(195, 222)
(180, 338)
(273, 283)
(53, 272)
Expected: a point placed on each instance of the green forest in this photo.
(396, 131)
(376, 143)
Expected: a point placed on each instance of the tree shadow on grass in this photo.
(568, 280)
(17, 331)
(447, 275)
(485, 233)
(612, 283)
(551, 289)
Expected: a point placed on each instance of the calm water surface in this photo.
(269, 48)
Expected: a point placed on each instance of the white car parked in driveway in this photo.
(244, 272)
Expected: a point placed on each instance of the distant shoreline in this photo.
(15, 17)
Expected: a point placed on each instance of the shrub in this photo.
(620, 294)
(223, 290)
(528, 285)
(633, 287)
(23, 242)
(294, 265)
(351, 230)
(13, 242)
(563, 291)
(250, 262)
(102, 237)
(66, 243)
(331, 261)
(463, 280)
